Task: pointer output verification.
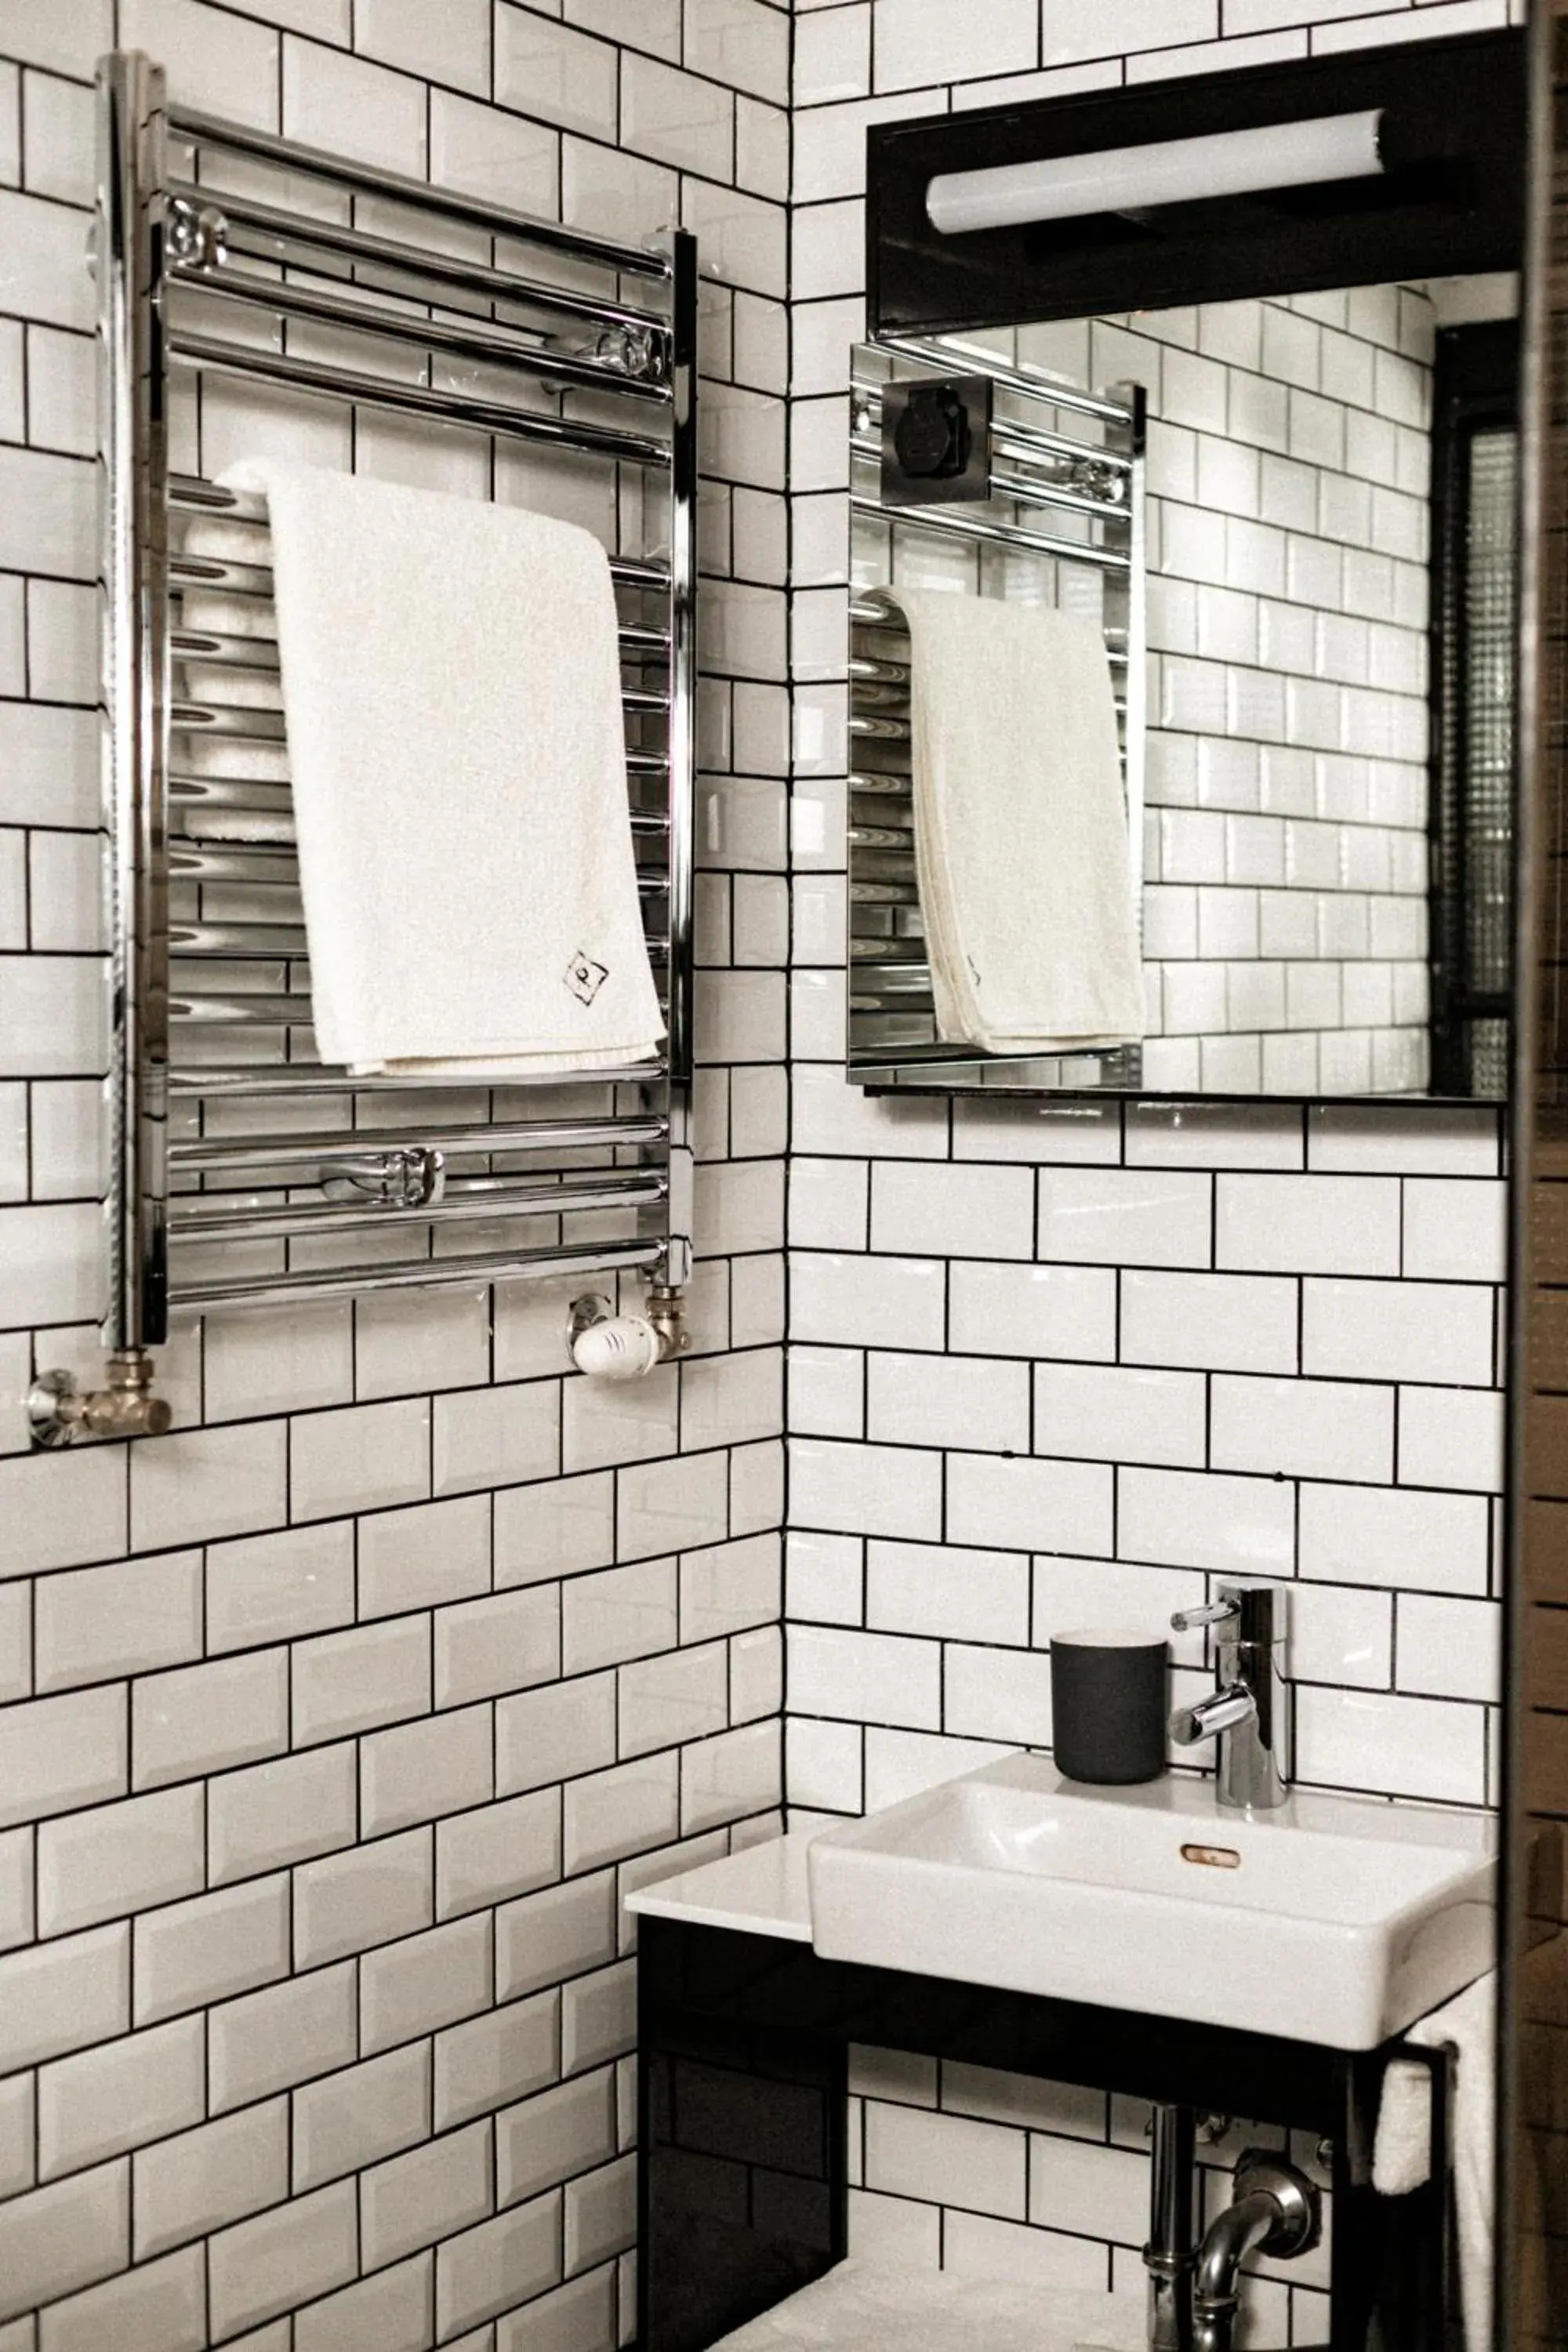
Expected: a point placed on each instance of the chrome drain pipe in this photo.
(1275, 2209)
(1169, 2256)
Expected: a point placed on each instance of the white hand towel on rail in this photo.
(452, 695)
(1021, 847)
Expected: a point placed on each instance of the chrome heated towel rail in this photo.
(242, 1172)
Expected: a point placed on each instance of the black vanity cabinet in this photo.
(744, 2040)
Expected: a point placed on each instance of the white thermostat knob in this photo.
(618, 1347)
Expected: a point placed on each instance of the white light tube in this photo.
(1173, 171)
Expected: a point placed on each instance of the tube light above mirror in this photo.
(1168, 171)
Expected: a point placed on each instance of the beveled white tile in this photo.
(419, 1771)
(161, 2303)
(604, 1424)
(429, 1553)
(561, 2132)
(65, 2237)
(1391, 1745)
(368, 1894)
(202, 2180)
(287, 2033)
(1022, 1506)
(740, 42)
(210, 1947)
(488, 1646)
(623, 1811)
(283, 2257)
(457, 49)
(497, 1850)
(201, 1483)
(59, 1754)
(267, 1587)
(360, 1458)
(354, 108)
(352, 2119)
(1315, 1429)
(276, 1361)
(203, 1718)
(281, 1811)
(233, 71)
(350, 1682)
(414, 1986)
(925, 1400)
(676, 118)
(554, 1529)
(598, 2017)
(1451, 1437)
(1448, 1647)
(120, 1858)
(96, 1623)
(120, 2095)
(731, 1776)
(387, 2308)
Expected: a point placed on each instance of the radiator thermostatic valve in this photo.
(610, 1346)
(60, 1413)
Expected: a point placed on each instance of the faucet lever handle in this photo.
(1223, 1710)
(1213, 1612)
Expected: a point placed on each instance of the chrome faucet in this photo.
(1248, 1712)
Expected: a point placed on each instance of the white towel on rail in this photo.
(1402, 2153)
(1021, 847)
(452, 691)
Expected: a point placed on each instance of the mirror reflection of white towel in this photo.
(1021, 845)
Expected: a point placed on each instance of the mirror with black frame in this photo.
(1183, 609)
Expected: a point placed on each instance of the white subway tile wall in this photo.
(1262, 1339)
(332, 1725)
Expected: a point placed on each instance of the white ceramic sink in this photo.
(1333, 1919)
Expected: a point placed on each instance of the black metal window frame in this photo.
(1475, 391)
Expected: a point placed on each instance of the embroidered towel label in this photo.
(585, 978)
